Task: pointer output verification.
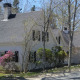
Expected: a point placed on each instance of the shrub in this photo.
(48, 54)
(59, 55)
(6, 60)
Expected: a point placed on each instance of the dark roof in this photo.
(66, 37)
(76, 38)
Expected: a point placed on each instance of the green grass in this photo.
(2, 74)
(28, 74)
(64, 69)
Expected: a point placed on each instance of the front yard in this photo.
(22, 76)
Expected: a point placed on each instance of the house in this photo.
(17, 30)
(75, 58)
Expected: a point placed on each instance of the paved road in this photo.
(60, 76)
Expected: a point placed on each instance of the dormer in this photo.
(66, 30)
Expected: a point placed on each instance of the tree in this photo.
(72, 21)
(71, 26)
(33, 8)
(6, 60)
(1, 0)
(68, 15)
(0, 9)
(16, 5)
(46, 18)
(28, 42)
(49, 56)
(59, 55)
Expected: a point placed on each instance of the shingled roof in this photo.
(66, 37)
(76, 38)
(13, 29)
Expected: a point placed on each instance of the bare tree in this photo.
(73, 19)
(28, 42)
(48, 17)
(71, 27)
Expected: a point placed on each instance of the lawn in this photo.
(36, 73)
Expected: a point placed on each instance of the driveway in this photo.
(59, 76)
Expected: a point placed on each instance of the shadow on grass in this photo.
(50, 78)
(12, 78)
(75, 78)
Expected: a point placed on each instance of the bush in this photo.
(48, 54)
(59, 55)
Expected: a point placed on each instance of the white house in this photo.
(16, 29)
(63, 40)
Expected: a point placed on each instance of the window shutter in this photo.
(38, 35)
(56, 38)
(29, 56)
(59, 39)
(16, 56)
(6, 52)
(33, 35)
(47, 36)
(35, 56)
(43, 35)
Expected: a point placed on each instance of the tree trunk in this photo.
(70, 42)
(26, 62)
(70, 53)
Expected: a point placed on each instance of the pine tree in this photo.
(15, 4)
(1, 0)
(33, 8)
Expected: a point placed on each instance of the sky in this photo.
(24, 5)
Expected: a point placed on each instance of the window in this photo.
(36, 35)
(32, 56)
(15, 57)
(2, 53)
(65, 28)
(45, 36)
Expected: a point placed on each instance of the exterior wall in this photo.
(39, 44)
(13, 48)
(34, 45)
(76, 55)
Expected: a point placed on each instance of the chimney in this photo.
(7, 11)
